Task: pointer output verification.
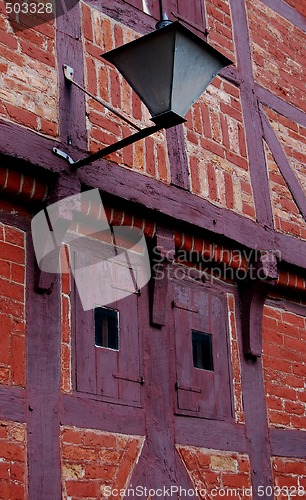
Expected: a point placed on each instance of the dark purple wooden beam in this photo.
(289, 13)
(280, 106)
(179, 205)
(178, 157)
(72, 109)
(252, 122)
(43, 385)
(210, 434)
(288, 443)
(253, 293)
(255, 412)
(20, 143)
(183, 207)
(87, 412)
(165, 246)
(283, 165)
(12, 404)
(126, 14)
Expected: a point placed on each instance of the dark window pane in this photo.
(202, 350)
(106, 328)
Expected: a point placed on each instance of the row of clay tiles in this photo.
(27, 188)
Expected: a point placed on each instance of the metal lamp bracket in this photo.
(140, 134)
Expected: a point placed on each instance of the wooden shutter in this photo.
(189, 12)
(113, 375)
(200, 392)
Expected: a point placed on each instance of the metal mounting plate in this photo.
(68, 72)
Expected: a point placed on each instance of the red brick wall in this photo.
(289, 477)
(92, 460)
(216, 471)
(215, 140)
(13, 467)
(28, 82)
(286, 214)
(292, 137)
(219, 25)
(278, 53)
(66, 380)
(12, 306)
(235, 361)
(284, 362)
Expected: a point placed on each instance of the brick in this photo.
(9, 490)
(82, 489)
(45, 57)
(17, 472)
(294, 408)
(101, 440)
(22, 116)
(13, 452)
(235, 480)
(78, 453)
(102, 472)
(18, 360)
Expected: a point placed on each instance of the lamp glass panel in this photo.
(194, 69)
(147, 65)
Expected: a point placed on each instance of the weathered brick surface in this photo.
(286, 214)
(235, 364)
(66, 380)
(297, 5)
(28, 80)
(12, 306)
(92, 460)
(289, 477)
(148, 156)
(216, 147)
(13, 468)
(219, 25)
(216, 471)
(292, 138)
(284, 360)
(278, 50)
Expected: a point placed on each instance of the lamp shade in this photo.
(169, 69)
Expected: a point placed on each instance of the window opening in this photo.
(107, 328)
(202, 350)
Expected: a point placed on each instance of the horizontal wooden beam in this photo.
(163, 200)
(12, 404)
(288, 443)
(87, 412)
(214, 434)
(280, 106)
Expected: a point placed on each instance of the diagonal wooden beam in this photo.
(282, 107)
(252, 123)
(284, 165)
(287, 12)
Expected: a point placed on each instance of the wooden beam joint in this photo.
(253, 293)
(164, 252)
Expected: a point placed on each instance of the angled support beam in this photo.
(282, 107)
(253, 294)
(289, 13)
(65, 187)
(253, 128)
(283, 165)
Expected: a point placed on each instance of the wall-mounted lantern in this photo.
(168, 69)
